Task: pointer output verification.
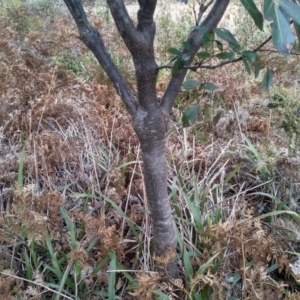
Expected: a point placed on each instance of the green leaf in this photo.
(297, 29)
(29, 275)
(254, 13)
(20, 169)
(193, 207)
(226, 35)
(291, 8)
(272, 268)
(208, 86)
(232, 173)
(200, 28)
(285, 14)
(203, 55)
(63, 281)
(208, 39)
(247, 66)
(190, 115)
(112, 277)
(205, 266)
(256, 69)
(174, 51)
(187, 264)
(179, 63)
(187, 46)
(205, 292)
(219, 45)
(190, 84)
(267, 81)
(269, 10)
(226, 55)
(249, 55)
(281, 32)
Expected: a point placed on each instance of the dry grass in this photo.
(81, 153)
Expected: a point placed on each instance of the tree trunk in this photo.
(151, 128)
(150, 118)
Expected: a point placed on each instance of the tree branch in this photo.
(126, 28)
(139, 41)
(92, 39)
(199, 66)
(195, 40)
(145, 14)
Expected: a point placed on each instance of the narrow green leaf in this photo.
(70, 226)
(247, 66)
(254, 13)
(291, 8)
(49, 245)
(274, 213)
(297, 29)
(190, 115)
(92, 244)
(202, 55)
(63, 281)
(190, 84)
(281, 32)
(112, 277)
(219, 45)
(33, 254)
(269, 10)
(226, 35)
(205, 292)
(194, 211)
(28, 267)
(267, 81)
(249, 55)
(232, 173)
(20, 170)
(208, 86)
(101, 264)
(272, 268)
(126, 274)
(226, 55)
(161, 295)
(187, 264)
(205, 266)
(218, 215)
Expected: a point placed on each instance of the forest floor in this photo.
(73, 212)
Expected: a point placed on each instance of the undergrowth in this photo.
(74, 220)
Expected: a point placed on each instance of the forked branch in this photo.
(194, 40)
(92, 39)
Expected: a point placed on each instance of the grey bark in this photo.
(150, 118)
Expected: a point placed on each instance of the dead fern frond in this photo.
(147, 283)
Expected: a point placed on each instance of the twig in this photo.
(198, 65)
